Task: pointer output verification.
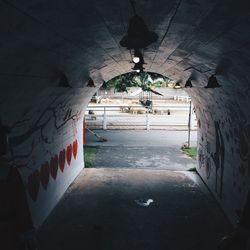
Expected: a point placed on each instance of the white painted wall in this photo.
(50, 133)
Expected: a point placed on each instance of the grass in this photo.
(191, 152)
(89, 154)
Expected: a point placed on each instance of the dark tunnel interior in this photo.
(56, 54)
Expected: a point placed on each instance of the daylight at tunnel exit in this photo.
(125, 125)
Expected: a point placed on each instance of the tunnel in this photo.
(56, 54)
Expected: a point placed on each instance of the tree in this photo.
(144, 80)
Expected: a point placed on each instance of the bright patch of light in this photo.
(136, 59)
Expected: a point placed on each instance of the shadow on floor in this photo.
(100, 211)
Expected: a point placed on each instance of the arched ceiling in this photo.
(43, 38)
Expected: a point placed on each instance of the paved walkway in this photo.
(148, 208)
(134, 209)
(142, 149)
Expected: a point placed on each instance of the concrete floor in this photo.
(101, 211)
(155, 149)
(106, 209)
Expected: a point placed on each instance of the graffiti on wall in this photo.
(218, 158)
(45, 142)
(224, 148)
(204, 157)
(54, 117)
(237, 134)
(217, 155)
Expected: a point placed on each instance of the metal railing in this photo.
(139, 117)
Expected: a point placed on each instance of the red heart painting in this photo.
(62, 159)
(69, 154)
(33, 185)
(54, 166)
(44, 175)
(75, 147)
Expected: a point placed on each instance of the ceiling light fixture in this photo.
(188, 84)
(138, 35)
(64, 82)
(177, 86)
(136, 59)
(90, 83)
(138, 67)
(138, 56)
(137, 38)
(212, 82)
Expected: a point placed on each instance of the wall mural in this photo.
(40, 178)
(45, 149)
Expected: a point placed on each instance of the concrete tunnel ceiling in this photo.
(81, 38)
(43, 40)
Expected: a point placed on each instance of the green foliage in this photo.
(89, 153)
(133, 79)
(191, 152)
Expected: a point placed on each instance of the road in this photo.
(156, 149)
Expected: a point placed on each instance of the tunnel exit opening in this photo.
(146, 113)
(129, 199)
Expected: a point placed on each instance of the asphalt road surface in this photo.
(155, 149)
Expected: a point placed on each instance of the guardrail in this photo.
(138, 117)
(123, 96)
(182, 98)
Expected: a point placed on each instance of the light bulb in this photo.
(136, 59)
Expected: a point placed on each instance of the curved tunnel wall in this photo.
(223, 145)
(196, 37)
(223, 113)
(47, 145)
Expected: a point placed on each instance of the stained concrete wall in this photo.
(223, 143)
